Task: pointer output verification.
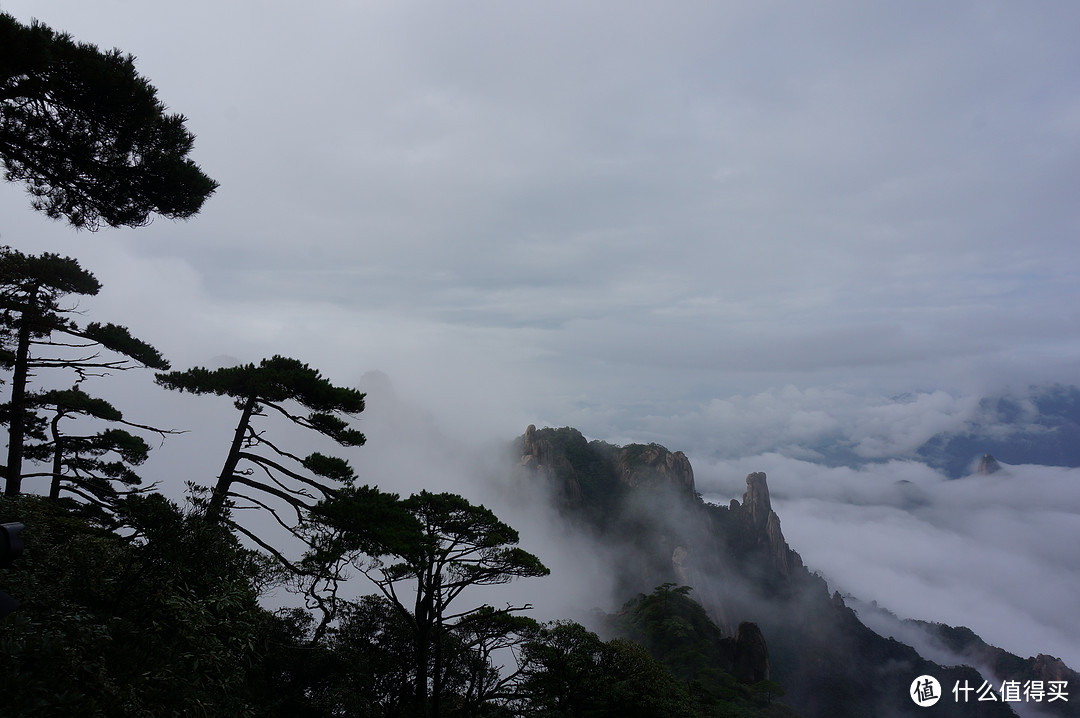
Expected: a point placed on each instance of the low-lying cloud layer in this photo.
(991, 552)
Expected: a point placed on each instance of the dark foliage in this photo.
(569, 671)
(163, 622)
(676, 631)
(87, 134)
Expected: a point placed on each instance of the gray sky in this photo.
(723, 226)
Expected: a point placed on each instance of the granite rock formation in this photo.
(653, 465)
(639, 502)
(761, 525)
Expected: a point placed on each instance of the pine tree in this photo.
(37, 333)
(256, 471)
(88, 466)
(88, 135)
(422, 557)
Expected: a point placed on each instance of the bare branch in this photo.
(265, 546)
(273, 512)
(280, 452)
(288, 498)
(263, 461)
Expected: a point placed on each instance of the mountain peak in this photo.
(756, 499)
(987, 465)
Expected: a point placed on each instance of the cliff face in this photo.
(644, 495)
(640, 501)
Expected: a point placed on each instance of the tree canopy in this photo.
(86, 465)
(87, 134)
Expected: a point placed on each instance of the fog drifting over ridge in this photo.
(992, 552)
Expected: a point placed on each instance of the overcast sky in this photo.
(722, 226)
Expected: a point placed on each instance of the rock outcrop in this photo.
(756, 500)
(539, 459)
(653, 465)
(751, 654)
(761, 525)
(593, 476)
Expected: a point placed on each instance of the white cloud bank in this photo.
(995, 553)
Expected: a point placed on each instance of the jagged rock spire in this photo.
(756, 499)
(763, 525)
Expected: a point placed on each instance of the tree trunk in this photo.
(437, 646)
(17, 426)
(423, 645)
(58, 456)
(225, 479)
(424, 622)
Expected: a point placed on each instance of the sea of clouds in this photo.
(993, 552)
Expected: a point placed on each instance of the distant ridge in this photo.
(1041, 427)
